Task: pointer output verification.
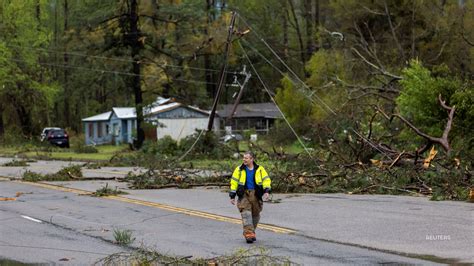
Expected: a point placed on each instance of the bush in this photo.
(167, 146)
(208, 145)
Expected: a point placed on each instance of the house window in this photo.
(99, 130)
(107, 129)
(91, 130)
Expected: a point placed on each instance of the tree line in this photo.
(358, 78)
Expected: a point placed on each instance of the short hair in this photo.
(250, 153)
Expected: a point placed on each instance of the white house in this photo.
(178, 120)
(171, 118)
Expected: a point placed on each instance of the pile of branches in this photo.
(176, 178)
(437, 178)
(147, 256)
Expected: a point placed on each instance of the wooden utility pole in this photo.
(136, 45)
(222, 73)
(239, 96)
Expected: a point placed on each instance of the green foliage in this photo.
(419, 103)
(249, 132)
(27, 91)
(123, 237)
(292, 102)
(324, 68)
(86, 149)
(65, 174)
(207, 145)
(165, 146)
(418, 100)
(16, 163)
(106, 191)
(32, 176)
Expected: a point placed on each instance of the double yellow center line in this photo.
(273, 228)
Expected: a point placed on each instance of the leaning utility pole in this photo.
(239, 96)
(223, 71)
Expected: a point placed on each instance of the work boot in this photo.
(250, 237)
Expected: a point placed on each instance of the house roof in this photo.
(171, 106)
(125, 112)
(159, 106)
(100, 117)
(265, 110)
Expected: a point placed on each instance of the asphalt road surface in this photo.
(61, 223)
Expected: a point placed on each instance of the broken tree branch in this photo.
(443, 140)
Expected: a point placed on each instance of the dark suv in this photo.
(58, 137)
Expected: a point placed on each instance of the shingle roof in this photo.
(266, 110)
(100, 117)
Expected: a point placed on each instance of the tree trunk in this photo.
(285, 30)
(2, 127)
(308, 11)
(210, 87)
(67, 94)
(56, 31)
(298, 31)
(25, 120)
(135, 54)
(317, 21)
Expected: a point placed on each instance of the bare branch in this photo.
(384, 72)
(402, 54)
(372, 11)
(466, 40)
(450, 118)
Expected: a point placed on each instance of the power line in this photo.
(287, 67)
(114, 72)
(119, 59)
(273, 100)
(327, 108)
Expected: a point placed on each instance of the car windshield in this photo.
(57, 132)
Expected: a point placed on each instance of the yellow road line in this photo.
(273, 228)
(55, 187)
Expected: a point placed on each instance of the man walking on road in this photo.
(251, 183)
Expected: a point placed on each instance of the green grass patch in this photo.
(123, 237)
(48, 152)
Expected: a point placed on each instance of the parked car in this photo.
(45, 132)
(58, 137)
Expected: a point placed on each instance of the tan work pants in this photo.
(250, 207)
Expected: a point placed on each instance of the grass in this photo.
(123, 237)
(105, 152)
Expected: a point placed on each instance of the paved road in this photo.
(413, 225)
(85, 224)
(398, 224)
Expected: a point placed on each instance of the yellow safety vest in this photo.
(240, 176)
